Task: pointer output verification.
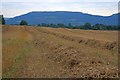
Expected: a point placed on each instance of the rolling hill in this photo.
(64, 17)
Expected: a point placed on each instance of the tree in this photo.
(87, 26)
(2, 20)
(39, 24)
(23, 22)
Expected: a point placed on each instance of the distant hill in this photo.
(64, 17)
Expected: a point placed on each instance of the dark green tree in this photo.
(2, 20)
(23, 22)
(100, 27)
(39, 24)
(87, 26)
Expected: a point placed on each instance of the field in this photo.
(36, 52)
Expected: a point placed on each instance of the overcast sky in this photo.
(12, 8)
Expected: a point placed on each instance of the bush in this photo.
(23, 22)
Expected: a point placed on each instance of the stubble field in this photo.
(41, 52)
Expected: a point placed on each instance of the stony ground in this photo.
(36, 52)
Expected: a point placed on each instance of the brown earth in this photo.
(40, 52)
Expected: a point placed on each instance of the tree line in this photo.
(86, 26)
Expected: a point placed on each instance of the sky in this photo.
(12, 8)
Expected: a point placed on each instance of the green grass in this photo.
(19, 58)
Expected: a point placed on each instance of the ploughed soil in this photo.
(41, 52)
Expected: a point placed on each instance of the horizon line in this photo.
(64, 11)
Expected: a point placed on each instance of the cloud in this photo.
(60, 1)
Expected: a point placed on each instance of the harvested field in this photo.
(41, 52)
